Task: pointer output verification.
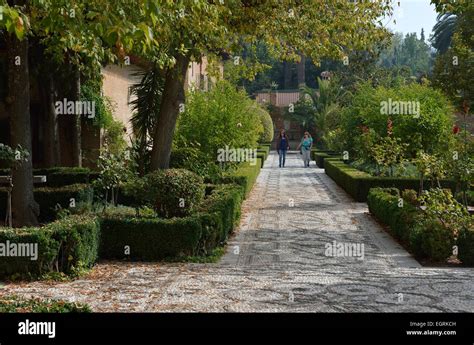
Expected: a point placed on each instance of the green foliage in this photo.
(244, 175)
(65, 244)
(408, 51)
(148, 238)
(431, 232)
(433, 240)
(428, 130)
(174, 192)
(114, 171)
(194, 160)
(53, 200)
(176, 239)
(267, 123)
(443, 207)
(12, 158)
(358, 183)
(221, 117)
(466, 246)
(388, 153)
(453, 72)
(16, 304)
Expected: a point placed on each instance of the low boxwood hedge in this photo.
(319, 156)
(126, 236)
(66, 244)
(245, 175)
(63, 176)
(262, 157)
(148, 238)
(358, 183)
(424, 237)
(51, 200)
(16, 304)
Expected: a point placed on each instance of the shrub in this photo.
(267, 123)
(174, 192)
(358, 183)
(65, 244)
(435, 241)
(194, 160)
(428, 131)
(223, 116)
(410, 196)
(319, 156)
(148, 238)
(465, 244)
(244, 175)
(425, 236)
(226, 200)
(79, 238)
(52, 200)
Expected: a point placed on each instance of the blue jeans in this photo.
(282, 154)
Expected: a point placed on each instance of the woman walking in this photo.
(305, 145)
(283, 145)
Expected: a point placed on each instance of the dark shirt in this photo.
(282, 143)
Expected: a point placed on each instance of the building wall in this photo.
(116, 85)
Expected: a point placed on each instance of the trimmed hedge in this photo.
(358, 183)
(466, 246)
(63, 245)
(424, 237)
(48, 198)
(245, 175)
(63, 176)
(319, 156)
(150, 238)
(262, 157)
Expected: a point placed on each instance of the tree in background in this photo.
(186, 31)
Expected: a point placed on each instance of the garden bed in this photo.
(428, 241)
(358, 183)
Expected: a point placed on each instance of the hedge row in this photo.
(51, 200)
(423, 237)
(319, 156)
(358, 183)
(126, 236)
(63, 245)
(245, 175)
(63, 176)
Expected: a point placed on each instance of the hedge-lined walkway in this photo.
(277, 262)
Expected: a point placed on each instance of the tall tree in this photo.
(187, 30)
(25, 209)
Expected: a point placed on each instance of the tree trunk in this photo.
(76, 125)
(173, 96)
(287, 75)
(51, 131)
(301, 71)
(25, 209)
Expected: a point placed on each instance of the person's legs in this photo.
(283, 153)
(280, 155)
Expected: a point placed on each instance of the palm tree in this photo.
(146, 107)
(443, 31)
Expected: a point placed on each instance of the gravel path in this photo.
(277, 261)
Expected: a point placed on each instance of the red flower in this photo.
(456, 129)
(389, 127)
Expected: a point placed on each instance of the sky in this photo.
(411, 16)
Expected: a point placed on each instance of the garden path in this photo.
(276, 262)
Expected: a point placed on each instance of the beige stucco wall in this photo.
(116, 85)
